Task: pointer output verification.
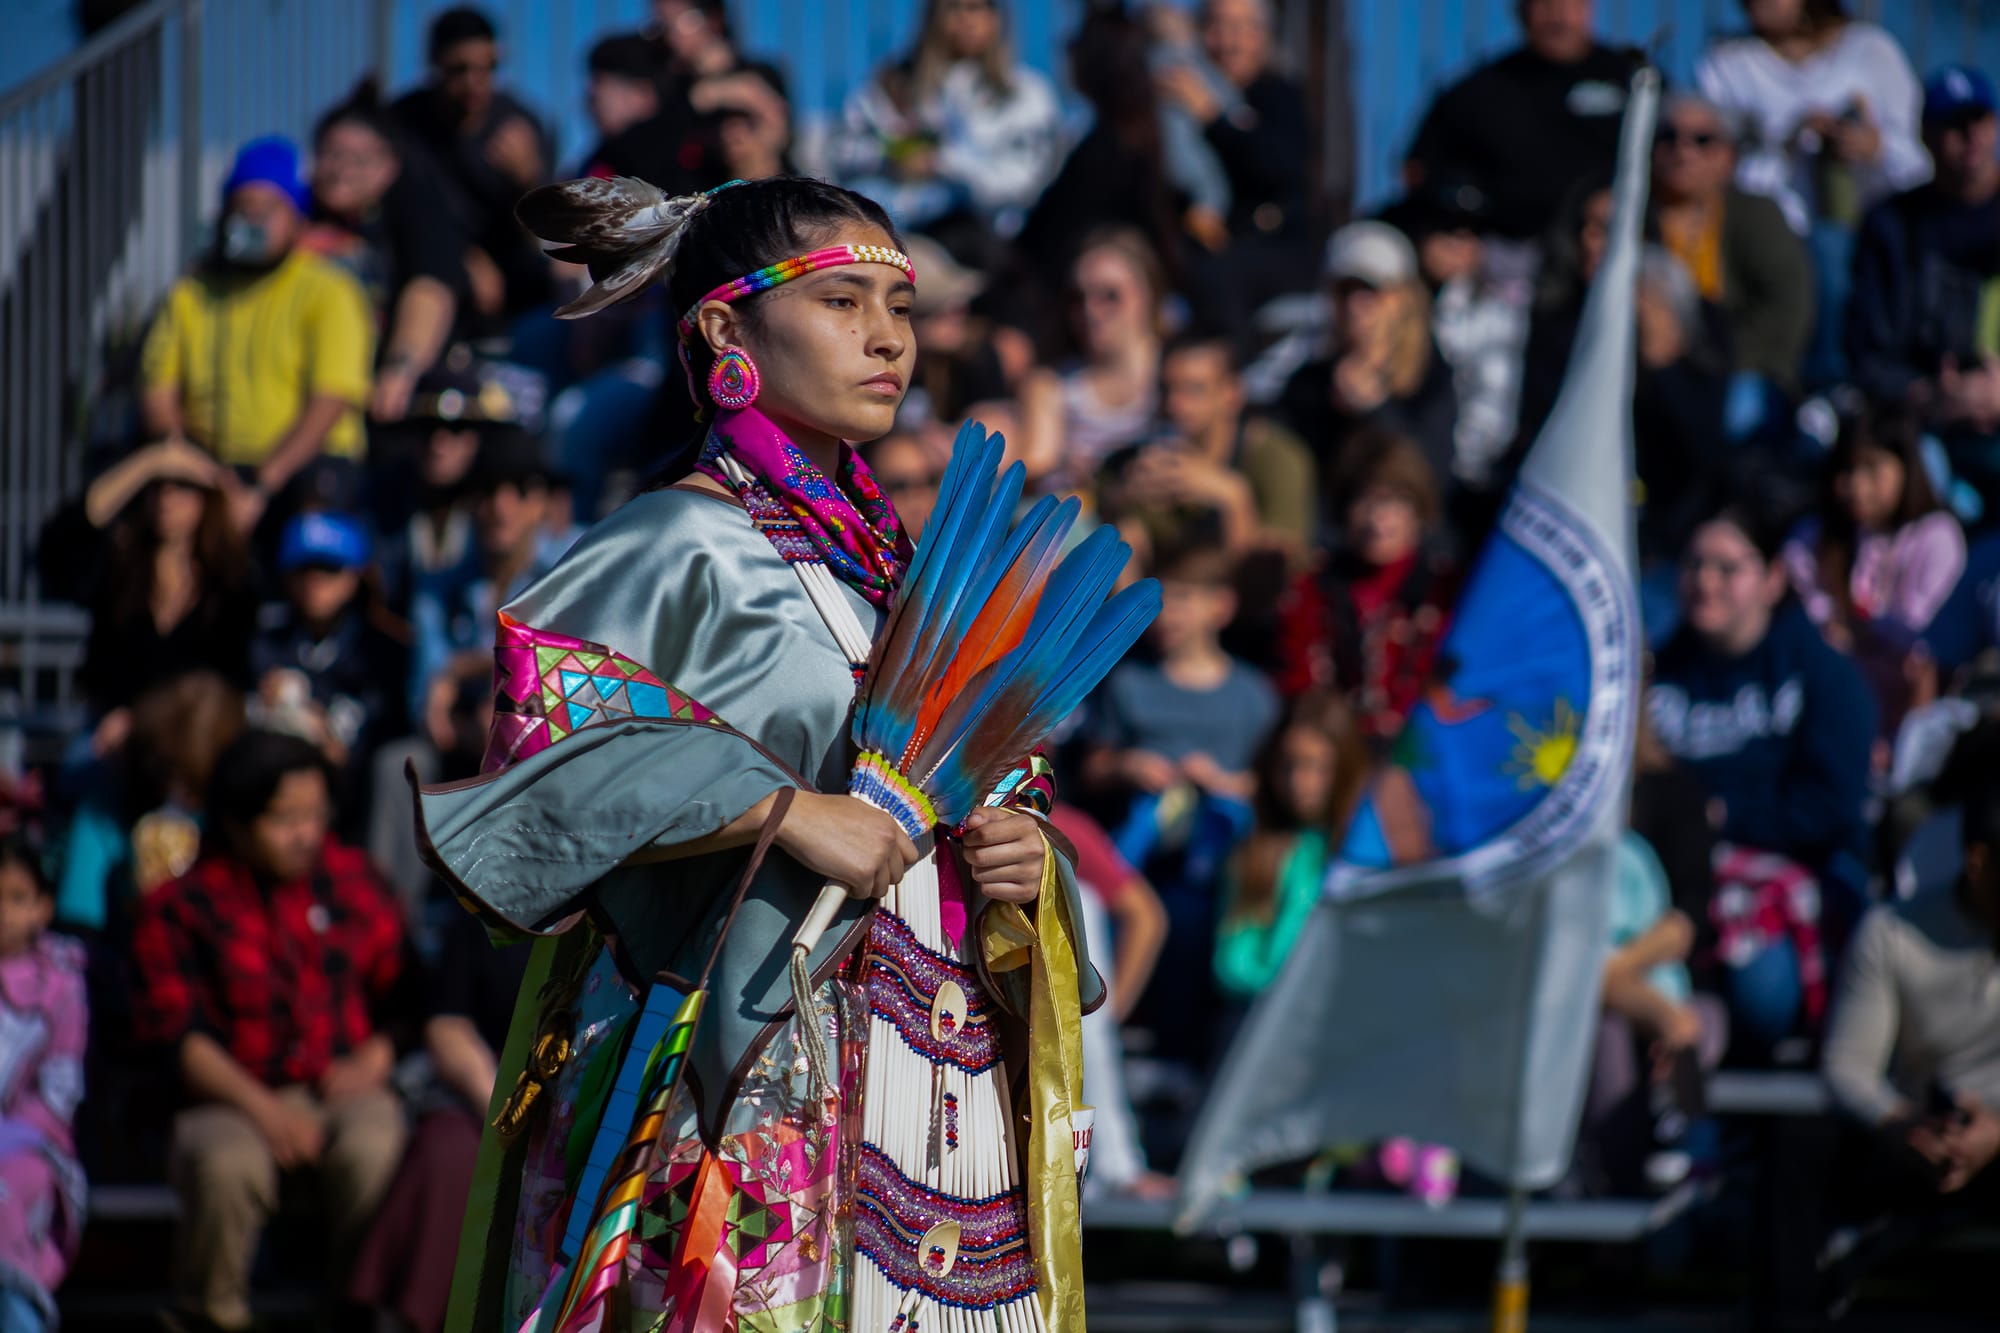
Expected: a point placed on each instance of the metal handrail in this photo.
(126, 29)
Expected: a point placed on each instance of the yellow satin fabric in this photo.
(1047, 946)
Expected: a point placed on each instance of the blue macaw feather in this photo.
(975, 572)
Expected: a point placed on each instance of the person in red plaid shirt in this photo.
(263, 969)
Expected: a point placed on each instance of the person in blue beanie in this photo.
(261, 356)
(1778, 728)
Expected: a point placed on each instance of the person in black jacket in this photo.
(1549, 110)
(489, 149)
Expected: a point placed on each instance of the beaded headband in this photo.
(786, 269)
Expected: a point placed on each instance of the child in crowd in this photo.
(1175, 736)
(43, 1021)
(1877, 562)
(1124, 921)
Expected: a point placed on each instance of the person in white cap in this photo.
(1381, 368)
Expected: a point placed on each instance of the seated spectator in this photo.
(1074, 418)
(1123, 921)
(1827, 106)
(1777, 727)
(424, 504)
(43, 1024)
(265, 972)
(1882, 555)
(325, 667)
(1219, 469)
(1369, 623)
(1654, 1038)
(172, 589)
(958, 360)
(1116, 177)
(956, 124)
(1678, 393)
(132, 835)
(1193, 167)
(742, 106)
(370, 215)
(1256, 123)
(645, 125)
(1174, 738)
(1736, 247)
(405, 1265)
(1917, 330)
(488, 149)
(1310, 778)
(1382, 371)
(262, 355)
(908, 475)
(1541, 118)
(1967, 625)
(1479, 318)
(622, 91)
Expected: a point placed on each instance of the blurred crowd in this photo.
(359, 430)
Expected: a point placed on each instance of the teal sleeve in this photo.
(1249, 954)
(94, 848)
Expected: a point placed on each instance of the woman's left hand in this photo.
(1004, 850)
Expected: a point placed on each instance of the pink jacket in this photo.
(44, 1021)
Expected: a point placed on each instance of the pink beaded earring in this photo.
(733, 381)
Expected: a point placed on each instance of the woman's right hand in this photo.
(847, 841)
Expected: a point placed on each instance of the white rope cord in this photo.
(823, 588)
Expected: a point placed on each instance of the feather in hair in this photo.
(624, 230)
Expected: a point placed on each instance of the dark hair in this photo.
(248, 774)
(463, 24)
(1888, 429)
(1376, 456)
(1970, 779)
(1560, 283)
(363, 106)
(1201, 559)
(1736, 506)
(179, 728)
(16, 850)
(1205, 340)
(1262, 856)
(220, 556)
(752, 226)
(626, 56)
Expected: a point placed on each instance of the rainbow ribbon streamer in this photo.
(615, 1172)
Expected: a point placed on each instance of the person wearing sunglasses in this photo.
(1741, 254)
(486, 148)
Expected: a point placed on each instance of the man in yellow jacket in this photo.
(262, 355)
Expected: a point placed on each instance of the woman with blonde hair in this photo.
(1381, 368)
(956, 124)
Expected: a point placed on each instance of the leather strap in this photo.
(781, 804)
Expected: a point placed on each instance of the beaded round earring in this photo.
(733, 381)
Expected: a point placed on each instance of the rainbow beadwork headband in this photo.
(787, 269)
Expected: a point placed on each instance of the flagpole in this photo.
(1510, 1278)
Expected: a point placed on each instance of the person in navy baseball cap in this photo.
(1958, 94)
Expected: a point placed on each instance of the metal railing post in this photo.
(191, 129)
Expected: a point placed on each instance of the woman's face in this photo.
(353, 168)
(1773, 19)
(834, 349)
(969, 27)
(1306, 763)
(177, 509)
(688, 30)
(1383, 526)
(1365, 316)
(1728, 589)
(1872, 487)
(1596, 232)
(1113, 309)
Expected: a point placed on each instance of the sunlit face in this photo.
(688, 30)
(1364, 315)
(1199, 391)
(1692, 158)
(352, 169)
(25, 911)
(1558, 30)
(1305, 772)
(969, 27)
(465, 71)
(1113, 307)
(616, 103)
(1237, 36)
(177, 509)
(283, 842)
(320, 593)
(1728, 589)
(1872, 487)
(1383, 526)
(834, 350)
(1190, 611)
